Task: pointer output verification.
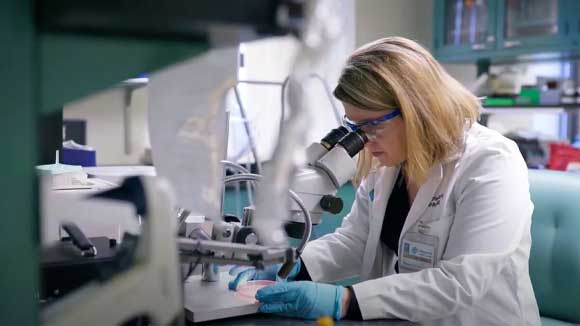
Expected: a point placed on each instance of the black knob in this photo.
(246, 235)
(229, 218)
(331, 204)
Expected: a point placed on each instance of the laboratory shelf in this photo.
(523, 109)
(534, 107)
(569, 119)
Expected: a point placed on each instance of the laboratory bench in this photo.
(263, 320)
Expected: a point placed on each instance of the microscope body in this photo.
(318, 183)
(331, 164)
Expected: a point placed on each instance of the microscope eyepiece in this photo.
(333, 137)
(354, 142)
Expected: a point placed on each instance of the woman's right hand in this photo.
(270, 272)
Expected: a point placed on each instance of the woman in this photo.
(440, 228)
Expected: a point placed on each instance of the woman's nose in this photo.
(370, 144)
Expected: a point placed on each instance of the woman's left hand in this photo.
(303, 299)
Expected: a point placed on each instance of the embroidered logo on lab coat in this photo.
(372, 195)
(435, 201)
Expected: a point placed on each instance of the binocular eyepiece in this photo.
(353, 142)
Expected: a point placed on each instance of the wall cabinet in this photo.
(573, 8)
(464, 27)
(530, 23)
(467, 30)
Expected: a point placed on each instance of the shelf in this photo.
(533, 107)
(567, 115)
(523, 110)
(550, 109)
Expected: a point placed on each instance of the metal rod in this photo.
(127, 95)
(326, 90)
(241, 169)
(260, 82)
(248, 130)
(293, 195)
(328, 95)
(283, 105)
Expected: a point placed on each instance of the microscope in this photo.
(330, 166)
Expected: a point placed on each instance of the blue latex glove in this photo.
(270, 273)
(302, 299)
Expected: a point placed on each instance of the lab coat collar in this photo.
(427, 190)
(423, 198)
(383, 185)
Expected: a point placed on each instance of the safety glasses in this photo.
(371, 127)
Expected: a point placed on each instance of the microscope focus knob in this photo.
(331, 204)
(246, 235)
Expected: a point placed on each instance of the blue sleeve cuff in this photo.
(338, 301)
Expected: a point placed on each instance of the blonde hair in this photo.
(395, 72)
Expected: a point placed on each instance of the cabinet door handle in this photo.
(511, 44)
(478, 47)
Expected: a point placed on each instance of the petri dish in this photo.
(248, 290)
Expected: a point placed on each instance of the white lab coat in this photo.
(477, 205)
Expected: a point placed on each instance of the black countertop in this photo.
(263, 320)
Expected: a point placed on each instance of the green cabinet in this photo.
(573, 9)
(465, 26)
(467, 30)
(532, 23)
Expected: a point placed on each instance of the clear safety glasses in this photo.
(371, 127)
